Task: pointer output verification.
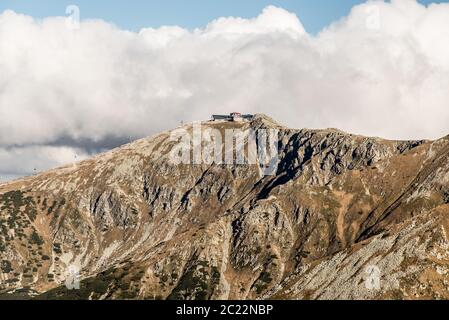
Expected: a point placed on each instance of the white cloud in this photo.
(272, 19)
(383, 71)
(16, 162)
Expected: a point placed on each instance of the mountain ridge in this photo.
(138, 227)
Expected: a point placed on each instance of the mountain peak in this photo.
(261, 120)
(136, 226)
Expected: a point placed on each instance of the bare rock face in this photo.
(134, 225)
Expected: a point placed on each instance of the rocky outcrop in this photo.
(137, 226)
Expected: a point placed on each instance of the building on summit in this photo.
(233, 117)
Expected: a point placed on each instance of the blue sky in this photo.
(135, 14)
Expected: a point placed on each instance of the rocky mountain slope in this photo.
(139, 227)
